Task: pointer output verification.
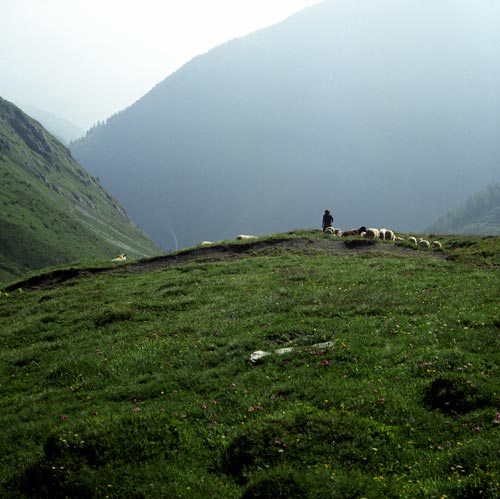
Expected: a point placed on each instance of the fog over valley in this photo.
(387, 112)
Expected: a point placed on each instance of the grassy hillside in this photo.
(479, 215)
(52, 211)
(136, 381)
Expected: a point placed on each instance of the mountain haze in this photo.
(479, 215)
(53, 212)
(62, 129)
(386, 112)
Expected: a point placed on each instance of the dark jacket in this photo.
(327, 220)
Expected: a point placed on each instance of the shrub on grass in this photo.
(454, 394)
(74, 462)
(277, 483)
(309, 437)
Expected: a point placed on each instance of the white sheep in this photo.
(400, 239)
(412, 240)
(120, 258)
(437, 245)
(329, 230)
(206, 243)
(245, 236)
(389, 235)
(423, 243)
(372, 233)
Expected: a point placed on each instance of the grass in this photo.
(140, 385)
(52, 212)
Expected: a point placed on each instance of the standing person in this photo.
(327, 220)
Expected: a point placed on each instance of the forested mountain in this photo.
(52, 210)
(386, 112)
(479, 215)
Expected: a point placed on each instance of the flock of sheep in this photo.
(371, 233)
(384, 234)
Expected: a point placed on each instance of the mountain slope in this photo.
(54, 212)
(386, 112)
(479, 215)
(62, 129)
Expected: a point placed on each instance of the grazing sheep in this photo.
(386, 235)
(120, 258)
(354, 232)
(206, 243)
(389, 235)
(412, 240)
(245, 236)
(400, 239)
(372, 233)
(423, 243)
(437, 244)
(329, 230)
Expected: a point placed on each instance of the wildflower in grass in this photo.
(64, 417)
(324, 362)
(497, 418)
(254, 408)
(214, 402)
(136, 409)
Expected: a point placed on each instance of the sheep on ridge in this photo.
(437, 244)
(372, 233)
(245, 236)
(389, 235)
(423, 243)
(354, 232)
(120, 258)
(412, 240)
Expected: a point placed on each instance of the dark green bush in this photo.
(454, 394)
(74, 462)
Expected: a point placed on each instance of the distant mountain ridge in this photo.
(62, 129)
(385, 112)
(480, 215)
(53, 212)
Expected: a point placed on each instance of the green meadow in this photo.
(381, 377)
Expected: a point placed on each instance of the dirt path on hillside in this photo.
(219, 252)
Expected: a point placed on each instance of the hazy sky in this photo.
(84, 60)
